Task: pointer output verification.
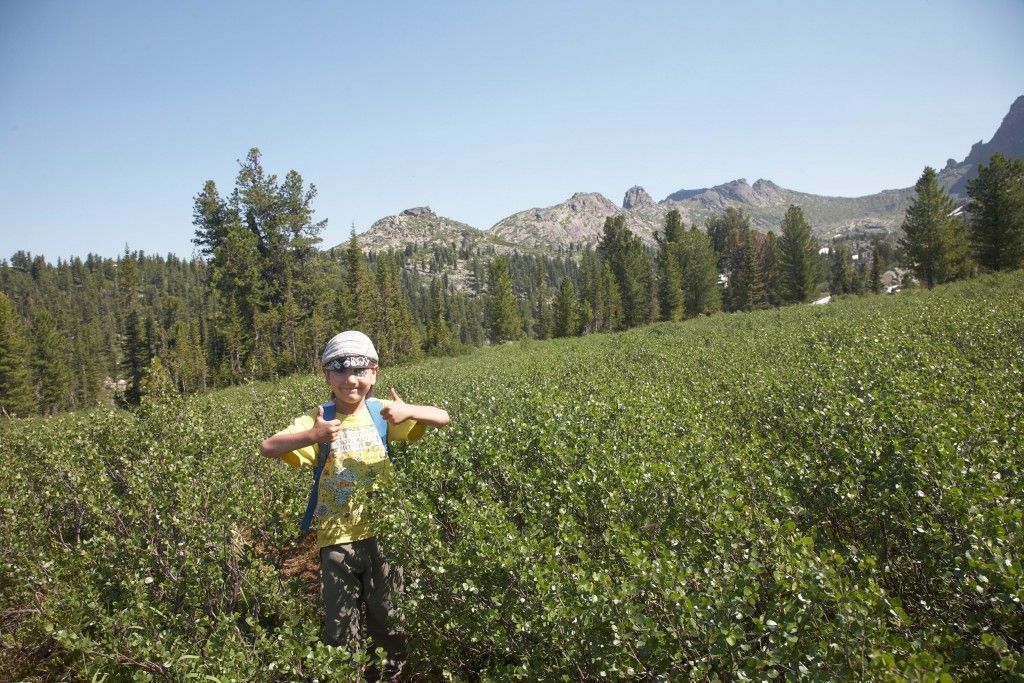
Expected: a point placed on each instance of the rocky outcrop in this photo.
(422, 227)
(420, 212)
(578, 219)
(1008, 141)
(636, 196)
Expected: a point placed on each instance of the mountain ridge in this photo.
(580, 218)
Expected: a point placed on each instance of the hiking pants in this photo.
(354, 575)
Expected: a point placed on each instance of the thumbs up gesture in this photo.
(325, 431)
(396, 411)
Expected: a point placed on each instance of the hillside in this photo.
(811, 493)
(579, 219)
(421, 226)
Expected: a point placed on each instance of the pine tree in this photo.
(719, 228)
(611, 297)
(396, 337)
(876, 271)
(134, 345)
(439, 334)
(623, 252)
(503, 322)
(933, 237)
(840, 272)
(543, 322)
(670, 279)
(360, 292)
(771, 268)
(16, 396)
(91, 364)
(591, 290)
(566, 310)
(701, 291)
(753, 266)
(50, 364)
(134, 356)
(736, 263)
(211, 216)
(996, 210)
(798, 277)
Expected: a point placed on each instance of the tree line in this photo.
(259, 298)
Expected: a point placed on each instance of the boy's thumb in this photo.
(320, 412)
(394, 395)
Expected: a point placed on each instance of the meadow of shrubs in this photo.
(817, 492)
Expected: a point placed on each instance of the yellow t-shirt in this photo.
(356, 461)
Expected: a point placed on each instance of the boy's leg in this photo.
(340, 588)
(381, 584)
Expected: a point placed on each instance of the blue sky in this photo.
(113, 114)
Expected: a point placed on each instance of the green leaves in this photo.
(805, 494)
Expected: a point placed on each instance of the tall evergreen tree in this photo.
(134, 344)
(16, 396)
(753, 267)
(736, 263)
(719, 227)
(503, 322)
(439, 334)
(875, 280)
(211, 216)
(396, 337)
(90, 364)
(840, 272)
(771, 268)
(799, 252)
(52, 371)
(623, 252)
(996, 210)
(543, 317)
(670, 278)
(566, 310)
(701, 292)
(591, 292)
(933, 237)
(361, 294)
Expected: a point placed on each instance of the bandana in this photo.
(350, 344)
(344, 362)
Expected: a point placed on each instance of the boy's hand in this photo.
(325, 430)
(397, 411)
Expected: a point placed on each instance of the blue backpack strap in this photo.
(318, 468)
(374, 405)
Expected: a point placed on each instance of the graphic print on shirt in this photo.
(362, 453)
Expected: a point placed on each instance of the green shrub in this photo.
(810, 493)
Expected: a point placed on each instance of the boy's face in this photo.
(351, 386)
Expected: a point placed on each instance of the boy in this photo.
(353, 572)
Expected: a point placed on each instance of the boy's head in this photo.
(350, 367)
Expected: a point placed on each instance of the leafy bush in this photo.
(811, 493)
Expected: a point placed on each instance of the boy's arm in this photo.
(322, 431)
(399, 411)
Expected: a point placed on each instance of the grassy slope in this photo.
(818, 491)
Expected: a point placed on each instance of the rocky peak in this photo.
(636, 196)
(1008, 141)
(420, 212)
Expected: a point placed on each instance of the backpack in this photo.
(374, 405)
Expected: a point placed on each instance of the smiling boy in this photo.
(353, 572)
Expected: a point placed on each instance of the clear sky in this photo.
(113, 114)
